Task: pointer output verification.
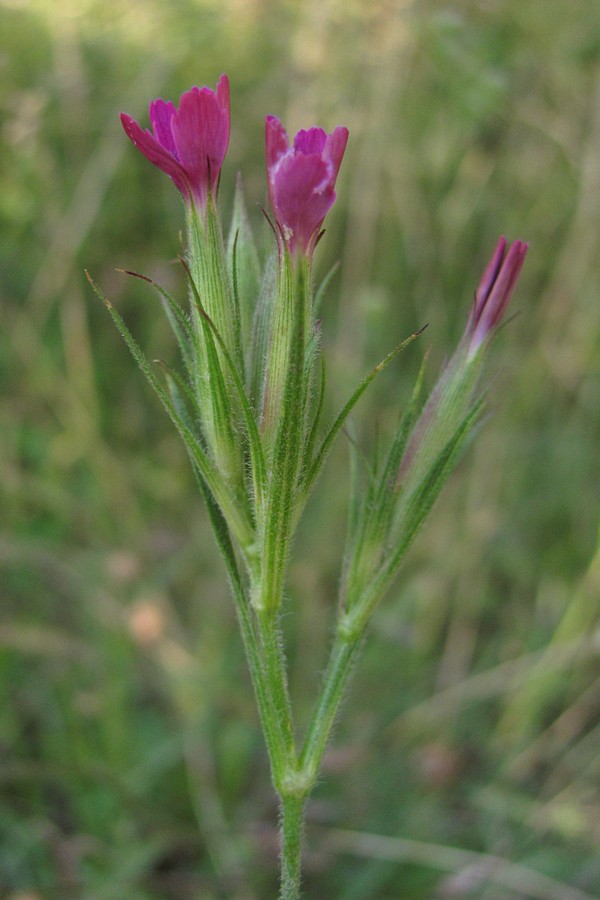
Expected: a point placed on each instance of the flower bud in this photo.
(494, 292)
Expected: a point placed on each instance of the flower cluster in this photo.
(241, 333)
(264, 335)
(249, 403)
(189, 144)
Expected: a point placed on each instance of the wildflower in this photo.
(453, 395)
(188, 143)
(302, 179)
(494, 292)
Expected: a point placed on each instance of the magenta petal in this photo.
(201, 134)
(489, 276)
(161, 114)
(494, 292)
(188, 143)
(276, 139)
(155, 153)
(335, 147)
(504, 284)
(310, 142)
(302, 196)
(301, 180)
(223, 97)
(222, 93)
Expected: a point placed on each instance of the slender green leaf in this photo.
(317, 463)
(243, 259)
(357, 513)
(261, 328)
(210, 273)
(181, 395)
(420, 503)
(235, 516)
(312, 351)
(363, 550)
(386, 496)
(257, 459)
(179, 321)
(312, 434)
(226, 450)
(322, 289)
(236, 303)
(410, 520)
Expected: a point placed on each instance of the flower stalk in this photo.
(247, 413)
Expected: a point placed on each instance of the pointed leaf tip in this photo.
(135, 275)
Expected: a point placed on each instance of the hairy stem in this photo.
(292, 814)
(275, 675)
(344, 651)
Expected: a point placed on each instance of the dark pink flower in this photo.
(494, 292)
(302, 180)
(188, 143)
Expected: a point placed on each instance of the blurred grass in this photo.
(131, 760)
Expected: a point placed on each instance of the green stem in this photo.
(344, 651)
(261, 681)
(266, 661)
(274, 673)
(292, 815)
(267, 698)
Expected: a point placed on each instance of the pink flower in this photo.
(188, 143)
(494, 292)
(302, 180)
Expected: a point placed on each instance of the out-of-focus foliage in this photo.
(131, 761)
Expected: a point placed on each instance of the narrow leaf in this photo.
(319, 459)
(226, 449)
(386, 497)
(243, 258)
(418, 506)
(177, 319)
(312, 435)
(235, 516)
(181, 395)
(312, 352)
(357, 508)
(257, 459)
(261, 327)
(322, 289)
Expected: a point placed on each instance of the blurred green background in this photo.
(467, 757)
